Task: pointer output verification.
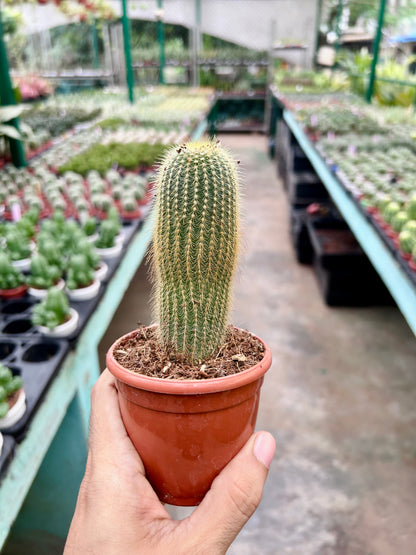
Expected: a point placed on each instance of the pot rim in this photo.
(188, 387)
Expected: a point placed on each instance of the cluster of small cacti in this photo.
(195, 247)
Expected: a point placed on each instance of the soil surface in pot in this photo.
(142, 354)
(12, 399)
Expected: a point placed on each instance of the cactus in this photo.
(42, 274)
(52, 311)
(195, 247)
(9, 384)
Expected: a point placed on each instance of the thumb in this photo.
(235, 494)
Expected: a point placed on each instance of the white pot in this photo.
(15, 413)
(1, 443)
(121, 237)
(42, 293)
(63, 330)
(23, 264)
(92, 238)
(111, 252)
(102, 271)
(84, 293)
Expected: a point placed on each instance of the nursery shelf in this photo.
(398, 283)
(72, 385)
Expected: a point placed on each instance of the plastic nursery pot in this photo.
(405, 255)
(23, 264)
(15, 412)
(63, 330)
(84, 293)
(133, 215)
(111, 252)
(14, 293)
(42, 293)
(186, 431)
(101, 271)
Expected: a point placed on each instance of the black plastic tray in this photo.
(37, 360)
(15, 314)
(336, 246)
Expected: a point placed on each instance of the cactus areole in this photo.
(195, 247)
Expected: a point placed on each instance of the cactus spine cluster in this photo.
(195, 247)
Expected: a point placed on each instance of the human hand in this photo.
(118, 512)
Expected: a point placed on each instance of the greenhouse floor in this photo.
(340, 397)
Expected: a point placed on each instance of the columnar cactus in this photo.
(195, 247)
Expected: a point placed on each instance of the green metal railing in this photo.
(127, 51)
(7, 98)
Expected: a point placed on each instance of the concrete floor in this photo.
(340, 397)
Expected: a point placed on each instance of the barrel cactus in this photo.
(195, 247)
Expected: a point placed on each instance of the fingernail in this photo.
(264, 448)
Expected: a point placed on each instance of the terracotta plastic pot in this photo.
(14, 293)
(186, 431)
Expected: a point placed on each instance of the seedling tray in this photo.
(15, 315)
(305, 188)
(7, 453)
(300, 235)
(37, 361)
(336, 247)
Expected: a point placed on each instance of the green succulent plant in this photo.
(390, 211)
(17, 242)
(52, 311)
(9, 384)
(399, 220)
(43, 274)
(107, 235)
(195, 247)
(407, 241)
(89, 226)
(79, 272)
(10, 277)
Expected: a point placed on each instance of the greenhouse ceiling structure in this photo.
(256, 24)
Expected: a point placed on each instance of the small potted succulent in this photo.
(107, 244)
(53, 316)
(19, 248)
(43, 276)
(94, 260)
(12, 398)
(89, 227)
(48, 247)
(407, 242)
(128, 207)
(388, 214)
(189, 386)
(81, 283)
(12, 281)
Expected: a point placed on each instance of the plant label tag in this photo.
(16, 212)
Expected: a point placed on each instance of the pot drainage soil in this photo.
(142, 354)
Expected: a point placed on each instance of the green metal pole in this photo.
(7, 98)
(94, 40)
(376, 48)
(317, 30)
(340, 9)
(161, 41)
(127, 52)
